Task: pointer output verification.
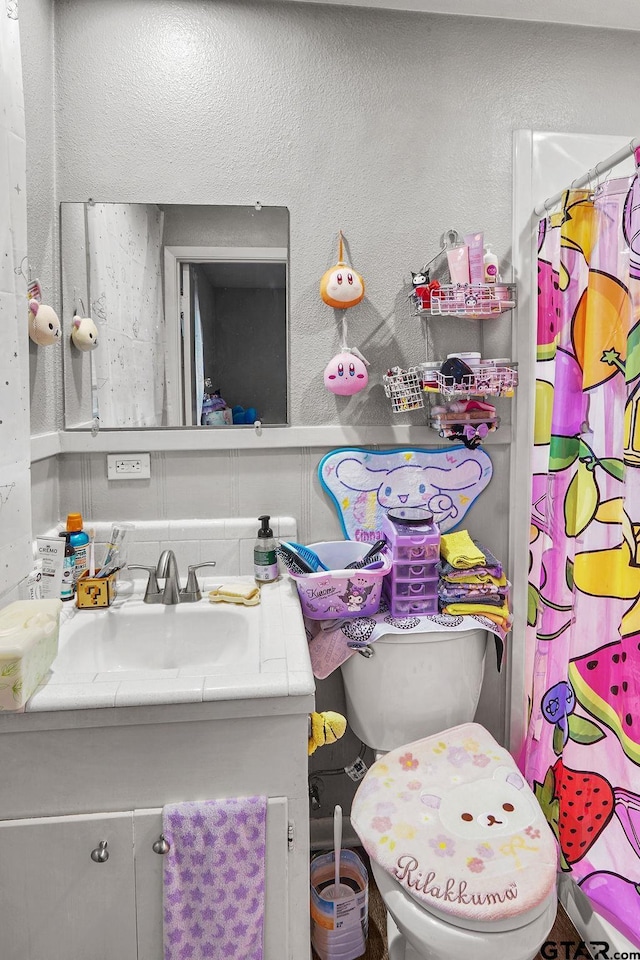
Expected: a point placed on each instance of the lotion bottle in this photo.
(490, 266)
(265, 558)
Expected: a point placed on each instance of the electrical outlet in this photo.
(128, 466)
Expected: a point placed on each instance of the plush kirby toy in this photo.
(346, 374)
(341, 286)
(84, 333)
(44, 326)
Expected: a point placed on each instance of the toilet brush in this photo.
(337, 890)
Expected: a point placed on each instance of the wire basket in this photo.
(404, 389)
(475, 301)
(488, 380)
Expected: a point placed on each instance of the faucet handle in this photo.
(152, 593)
(191, 592)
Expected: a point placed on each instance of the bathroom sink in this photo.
(204, 637)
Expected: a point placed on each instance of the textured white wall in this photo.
(15, 506)
(36, 39)
(391, 126)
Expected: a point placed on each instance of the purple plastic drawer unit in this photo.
(412, 534)
(414, 542)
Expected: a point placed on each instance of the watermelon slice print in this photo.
(606, 683)
(628, 813)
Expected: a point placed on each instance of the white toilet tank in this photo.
(414, 685)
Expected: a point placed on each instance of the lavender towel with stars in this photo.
(214, 876)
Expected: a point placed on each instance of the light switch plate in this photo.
(128, 466)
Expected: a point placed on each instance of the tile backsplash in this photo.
(229, 542)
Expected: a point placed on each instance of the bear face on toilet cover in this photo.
(451, 818)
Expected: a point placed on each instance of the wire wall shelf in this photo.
(487, 380)
(474, 301)
(404, 389)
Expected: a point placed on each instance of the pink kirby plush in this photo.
(345, 374)
(44, 326)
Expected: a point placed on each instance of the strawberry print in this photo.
(586, 806)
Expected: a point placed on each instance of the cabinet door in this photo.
(56, 903)
(148, 879)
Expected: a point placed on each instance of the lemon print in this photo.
(581, 501)
(544, 410)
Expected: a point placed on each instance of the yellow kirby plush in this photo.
(341, 286)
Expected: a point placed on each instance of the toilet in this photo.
(459, 847)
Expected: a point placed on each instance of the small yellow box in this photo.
(92, 592)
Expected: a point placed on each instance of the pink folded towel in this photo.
(214, 876)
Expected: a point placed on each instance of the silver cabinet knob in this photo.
(161, 846)
(100, 854)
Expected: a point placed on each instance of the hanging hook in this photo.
(20, 272)
(84, 312)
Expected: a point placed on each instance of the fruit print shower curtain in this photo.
(582, 751)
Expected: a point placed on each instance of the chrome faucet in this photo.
(167, 570)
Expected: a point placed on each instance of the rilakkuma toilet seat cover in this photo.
(453, 820)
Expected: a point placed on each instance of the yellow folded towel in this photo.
(460, 551)
(236, 592)
(326, 727)
(479, 609)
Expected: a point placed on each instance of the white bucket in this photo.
(339, 928)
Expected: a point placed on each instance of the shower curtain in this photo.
(582, 751)
(125, 264)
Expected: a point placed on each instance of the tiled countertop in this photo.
(284, 668)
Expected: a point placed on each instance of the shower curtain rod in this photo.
(602, 167)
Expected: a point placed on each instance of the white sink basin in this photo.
(139, 654)
(208, 638)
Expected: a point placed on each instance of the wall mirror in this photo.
(191, 307)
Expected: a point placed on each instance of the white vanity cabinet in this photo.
(58, 902)
(71, 779)
(55, 902)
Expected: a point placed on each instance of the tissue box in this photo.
(28, 646)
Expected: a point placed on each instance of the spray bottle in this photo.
(265, 558)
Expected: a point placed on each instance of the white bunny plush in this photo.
(84, 333)
(44, 325)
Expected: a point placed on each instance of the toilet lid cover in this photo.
(453, 820)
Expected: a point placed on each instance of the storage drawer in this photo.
(414, 571)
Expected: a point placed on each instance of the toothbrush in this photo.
(92, 552)
(309, 556)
